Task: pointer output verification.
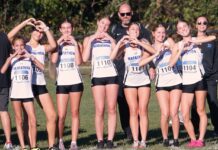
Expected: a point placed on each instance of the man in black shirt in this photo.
(5, 49)
(117, 31)
(210, 63)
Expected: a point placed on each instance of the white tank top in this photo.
(21, 76)
(192, 68)
(39, 53)
(134, 75)
(166, 75)
(67, 69)
(102, 65)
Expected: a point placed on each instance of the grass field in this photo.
(87, 137)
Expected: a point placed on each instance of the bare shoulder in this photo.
(144, 40)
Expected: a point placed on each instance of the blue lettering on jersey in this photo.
(21, 67)
(67, 60)
(189, 62)
(163, 64)
(134, 57)
(37, 53)
(21, 72)
(101, 45)
(67, 53)
(134, 64)
(102, 57)
(209, 45)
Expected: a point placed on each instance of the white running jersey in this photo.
(67, 69)
(192, 68)
(21, 76)
(39, 54)
(134, 75)
(102, 65)
(166, 75)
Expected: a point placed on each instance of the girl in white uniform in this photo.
(69, 82)
(38, 80)
(192, 80)
(136, 81)
(104, 79)
(21, 76)
(168, 83)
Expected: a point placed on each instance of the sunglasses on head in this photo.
(125, 14)
(202, 23)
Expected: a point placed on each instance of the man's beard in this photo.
(126, 23)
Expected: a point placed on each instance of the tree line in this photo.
(83, 12)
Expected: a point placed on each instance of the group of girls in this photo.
(174, 86)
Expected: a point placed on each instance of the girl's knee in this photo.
(52, 118)
(201, 111)
(143, 112)
(32, 122)
(112, 110)
(61, 118)
(165, 115)
(174, 114)
(75, 113)
(134, 112)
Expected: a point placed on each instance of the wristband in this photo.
(46, 29)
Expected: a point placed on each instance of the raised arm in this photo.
(203, 39)
(8, 62)
(77, 51)
(87, 47)
(118, 47)
(144, 44)
(20, 26)
(54, 54)
(176, 53)
(41, 26)
(34, 60)
(145, 59)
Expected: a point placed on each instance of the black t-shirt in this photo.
(5, 49)
(210, 59)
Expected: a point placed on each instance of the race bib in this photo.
(66, 66)
(103, 63)
(166, 70)
(21, 76)
(136, 69)
(36, 70)
(189, 68)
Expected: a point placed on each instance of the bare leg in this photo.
(164, 103)
(111, 94)
(99, 98)
(75, 98)
(51, 117)
(62, 100)
(143, 96)
(131, 97)
(175, 97)
(29, 108)
(186, 103)
(201, 109)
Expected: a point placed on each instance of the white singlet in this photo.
(67, 69)
(21, 76)
(166, 75)
(39, 53)
(192, 68)
(134, 75)
(102, 66)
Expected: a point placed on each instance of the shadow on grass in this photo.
(154, 137)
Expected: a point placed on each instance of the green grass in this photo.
(87, 137)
